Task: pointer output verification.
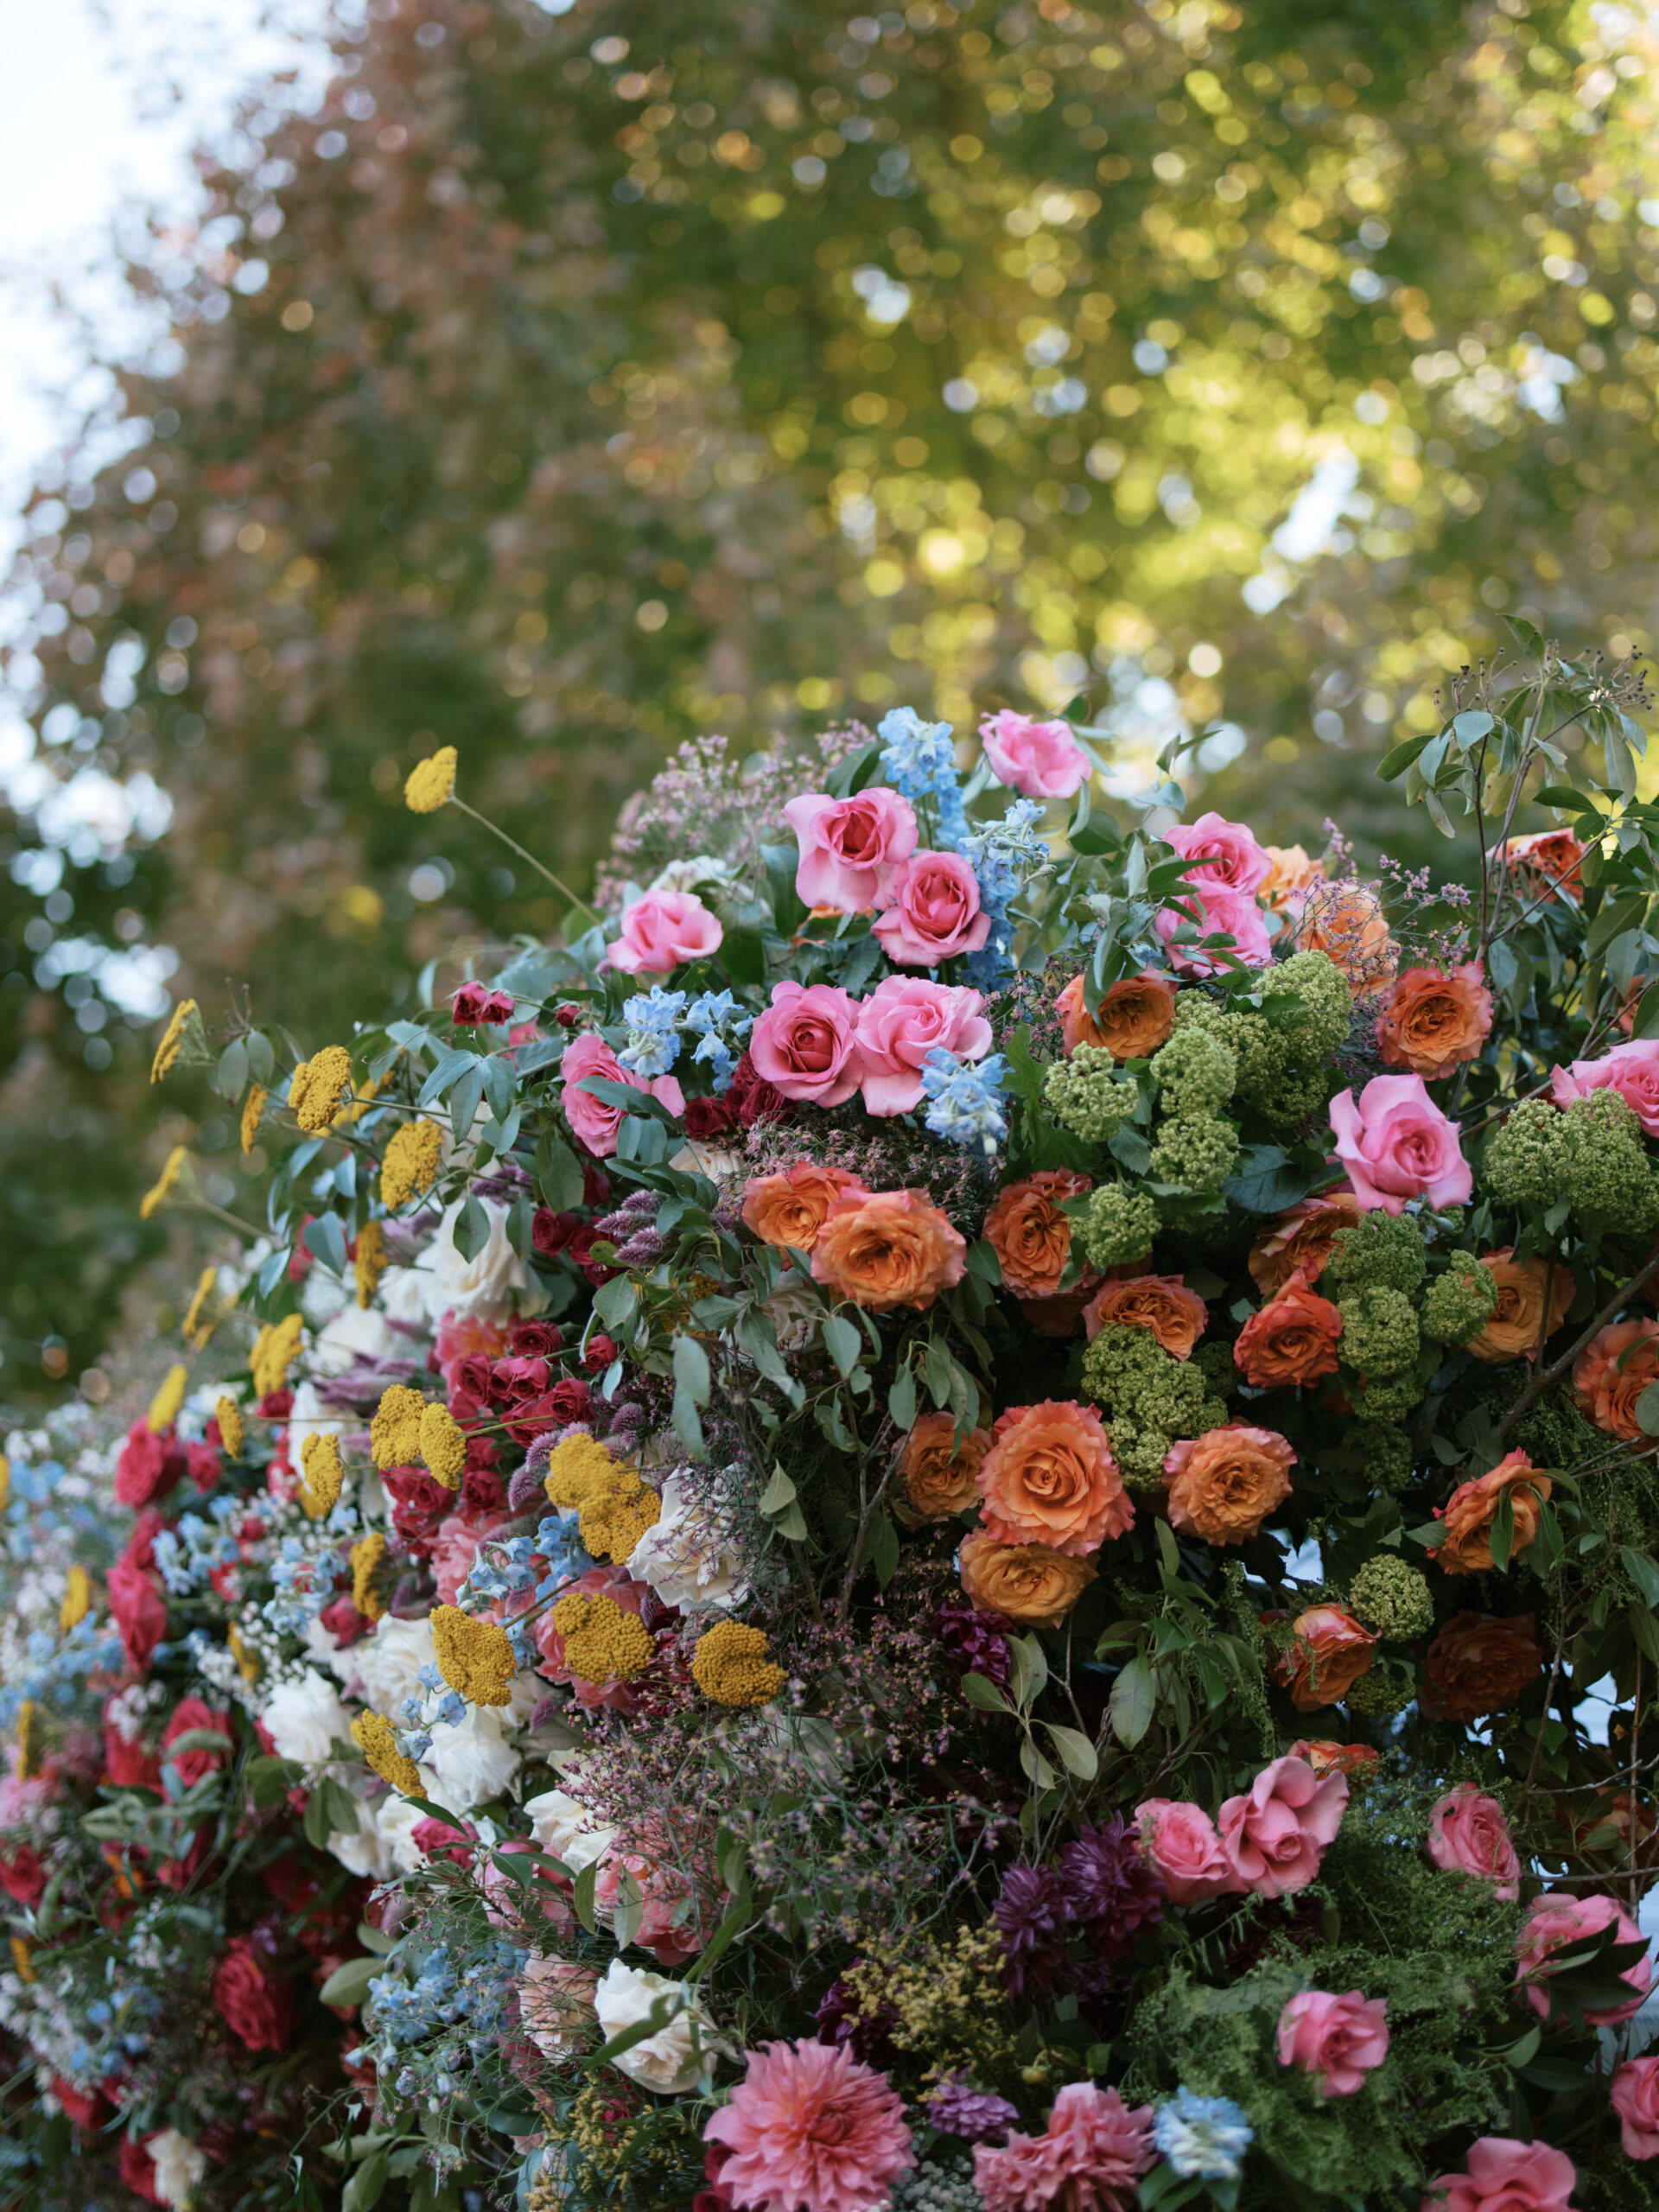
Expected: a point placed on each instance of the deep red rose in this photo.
(203, 1462)
(550, 1232)
(130, 1766)
(467, 1410)
(572, 1400)
(567, 1015)
(195, 1713)
(472, 1005)
(600, 1353)
(87, 2107)
(596, 1185)
(418, 1504)
(472, 1376)
(138, 1610)
(344, 1623)
(137, 2169)
(22, 1876)
(276, 1405)
(754, 1098)
(300, 1261)
(255, 2004)
(534, 1340)
(709, 1118)
(513, 1381)
(149, 1465)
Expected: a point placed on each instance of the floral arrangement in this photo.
(960, 1515)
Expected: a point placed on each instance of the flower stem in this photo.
(563, 889)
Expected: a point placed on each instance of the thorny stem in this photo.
(563, 889)
(1539, 1383)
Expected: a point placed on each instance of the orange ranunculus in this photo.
(1332, 1651)
(1553, 858)
(1512, 1331)
(1050, 1478)
(887, 1248)
(940, 1480)
(1345, 920)
(1434, 1019)
(1292, 873)
(1477, 1665)
(1175, 1315)
(1327, 1757)
(1612, 1371)
(1292, 1339)
(1029, 1583)
(1135, 1016)
(1472, 1508)
(1302, 1238)
(1223, 1486)
(1030, 1237)
(790, 1208)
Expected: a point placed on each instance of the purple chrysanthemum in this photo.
(1109, 1888)
(1031, 1919)
(974, 1643)
(956, 2107)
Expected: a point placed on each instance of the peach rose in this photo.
(1478, 1665)
(1135, 1016)
(1631, 1070)
(1339, 2040)
(1290, 872)
(1050, 1478)
(1552, 857)
(940, 1480)
(1468, 1835)
(1029, 1583)
(1558, 1921)
(1302, 1238)
(1179, 1842)
(1030, 1237)
(1223, 1487)
(1434, 1018)
(790, 1208)
(1292, 1340)
(1612, 1371)
(1327, 1757)
(1175, 1315)
(1634, 2097)
(883, 1249)
(1332, 1651)
(1277, 1833)
(1345, 920)
(1472, 1509)
(1512, 1331)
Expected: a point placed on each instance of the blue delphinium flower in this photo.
(920, 759)
(654, 1044)
(965, 1104)
(1004, 856)
(719, 1023)
(1203, 2136)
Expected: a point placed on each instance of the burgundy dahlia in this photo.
(1109, 1888)
(974, 1643)
(956, 2107)
(868, 2035)
(1032, 1921)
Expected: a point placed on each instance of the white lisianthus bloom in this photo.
(555, 2002)
(389, 1663)
(322, 1294)
(403, 1298)
(354, 1330)
(310, 1417)
(483, 1288)
(304, 1719)
(690, 1557)
(322, 1644)
(397, 1820)
(666, 2062)
(474, 1761)
(364, 1852)
(563, 1825)
(686, 875)
(179, 2164)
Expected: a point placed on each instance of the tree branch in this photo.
(1539, 1383)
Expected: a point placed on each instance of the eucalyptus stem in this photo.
(512, 846)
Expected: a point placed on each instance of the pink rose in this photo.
(591, 1120)
(1468, 1835)
(900, 1023)
(1630, 1070)
(1635, 2098)
(455, 1546)
(663, 929)
(1232, 914)
(1179, 1841)
(1339, 2040)
(1277, 1833)
(1396, 1144)
(1504, 2176)
(1232, 860)
(935, 914)
(806, 1044)
(1559, 1922)
(1042, 759)
(851, 848)
(138, 1610)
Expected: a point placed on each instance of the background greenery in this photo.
(571, 384)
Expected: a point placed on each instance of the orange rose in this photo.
(1135, 1016)
(940, 1480)
(1303, 1238)
(1512, 1331)
(1175, 1315)
(1612, 1371)
(1292, 1339)
(1223, 1486)
(1029, 1235)
(1050, 1478)
(1345, 921)
(1332, 1651)
(790, 1208)
(1552, 858)
(1023, 1582)
(1477, 1665)
(1058, 1316)
(1434, 1019)
(883, 1249)
(1292, 873)
(1335, 1758)
(1472, 1509)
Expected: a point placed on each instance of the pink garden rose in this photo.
(1505, 2176)
(1396, 1144)
(1090, 2158)
(1559, 1922)
(1231, 913)
(1276, 1835)
(935, 914)
(1181, 1842)
(1231, 859)
(455, 1546)
(1468, 1835)
(1339, 2040)
(851, 848)
(806, 1044)
(592, 1121)
(900, 1023)
(663, 929)
(1635, 2098)
(1042, 759)
(1631, 1070)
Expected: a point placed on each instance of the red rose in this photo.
(567, 1015)
(87, 2107)
(130, 1766)
(178, 1873)
(22, 1876)
(754, 1098)
(203, 1464)
(709, 1118)
(253, 2003)
(193, 1712)
(149, 1465)
(474, 1005)
(600, 1353)
(276, 1405)
(138, 1610)
(534, 1340)
(550, 1232)
(572, 1400)
(344, 1623)
(137, 2169)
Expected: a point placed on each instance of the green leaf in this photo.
(1399, 757)
(778, 1494)
(1470, 727)
(1647, 1410)
(231, 1076)
(982, 1260)
(788, 910)
(691, 1370)
(902, 1400)
(940, 1367)
(1030, 1663)
(582, 1896)
(881, 1550)
(262, 1057)
(687, 1427)
(367, 2185)
(1036, 1766)
(325, 1239)
(1076, 1753)
(743, 956)
(558, 1173)
(1624, 914)
(625, 1095)
(472, 1230)
(1130, 1706)
(349, 1984)
(843, 1341)
(1646, 1021)
(982, 1692)
(1640, 1569)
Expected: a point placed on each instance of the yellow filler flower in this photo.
(603, 1640)
(232, 1434)
(395, 1431)
(275, 1350)
(165, 1184)
(377, 1739)
(413, 1157)
(253, 1112)
(730, 1665)
(313, 1091)
(366, 1555)
(171, 1037)
(473, 1657)
(443, 1444)
(164, 1406)
(369, 1262)
(431, 782)
(76, 1599)
(324, 1475)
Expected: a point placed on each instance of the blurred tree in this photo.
(569, 384)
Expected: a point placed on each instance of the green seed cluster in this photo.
(1379, 1693)
(1152, 1400)
(1194, 1152)
(1379, 1332)
(1196, 1073)
(1285, 1063)
(1118, 1227)
(1387, 1456)
(1457, 1305)
(1393, 1598)
(1590, 1152)
(1382, 1251)
(1085, 1095)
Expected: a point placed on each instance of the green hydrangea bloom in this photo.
(1118, 1227)
(1379, 1332)
(1457, 1305)
(1085, 1095)
(1379, 1693)
(1194, 1152)
(1381, 1251)
(1128, 1370)
(1388, 1401)
(1530, 1156)
(1284, 1066)
(1610, 1178)
(1215, 1361)
(1387, 1456)
(1196, 1072)
(1393, 1598)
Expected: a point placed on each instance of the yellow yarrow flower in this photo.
(395, 1431)
(324, 1475)
(413, 1157)
(164, 1406)
(171, 1037)
(76, 1599)
(366, 1555)
(247, 1665)
(443, 1444)
(358, 1105)
(5, 1480)
(603, 1640)
(22, 1959)
(314, 1088)
(275, 1350)
(162, 1188)
(614, 1518)
(430, 783)
(473, 1657)
(377, 1739)
(232, 1434)
(730, 1665)
(575, 1469)
(193, 1322)
(253, 1112)
(371, 1261)
(29, 1751)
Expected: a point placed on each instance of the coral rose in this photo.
(1630, 1070)
(1276, 1835)
(1471, 1511)
(1332, 1651)
(1042, 759)
(1479, 1664)
(903, 1021)
(789, 1208)
(255, 2004)
(1050, 1478)
(887, 1248)
(1029, 1583)
(1179, 1842)
(1339, 2040)
(1134, 1018)
(1327, 1757)
(1030, 1237)
(1290, 872)
(1292, 1340)
(1396, 1144)
(1554, 857)
(1505, 2175)
(1163, 1304)
(1223, 1487)
(935, 914)
(939, 1478)
(663, 929)
(1468, 1835)
(1345, 921)
(1612, 1371)
(1434, 1019)
(1635, 2098)
(805, 1044)
(1303, 1238)
(1559, 1921)
(850, 848)
(1222, 914)
(1513, 1330)
(1225, 853)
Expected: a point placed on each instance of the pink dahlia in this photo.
(1089, 2158)
(810, 2129)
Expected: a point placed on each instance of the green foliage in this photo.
(1195, 1152)
(1589, 1152)
(1196, 1073)
(1380, 1337)
(1152, 1400)
(1457, 1305)
(1387, 1456)
(1118, 1225)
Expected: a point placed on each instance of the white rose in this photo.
(304, 1719)
(720, 1164)
(686, 875)
(365, 1852)
(481, 1289)
(353, 1331)
(666, 2062)
(180, 2165)
(322, 1294)
(310, 1417)
(563, 1825)
(397, 1820)
(322, 1643)
(690, 1557)
(473, 1760)
(403, 1298)
(389, 1663)
(384, 1843)
(555, 2003)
